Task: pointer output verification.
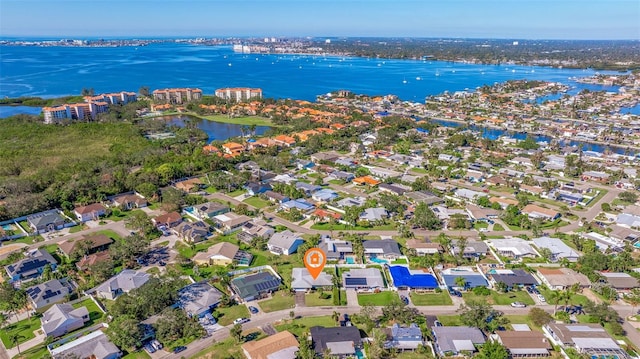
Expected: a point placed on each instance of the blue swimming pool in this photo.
(637, 244)
(350, 260)
(378, 260)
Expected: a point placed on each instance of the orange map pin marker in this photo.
(314, 260)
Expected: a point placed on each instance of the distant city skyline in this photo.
(510, 19)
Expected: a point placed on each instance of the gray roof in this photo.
(127, 280)
(363, 278)
(45, 218)
(198, 297)
(46, 290)
(302, 279)
(324, 337)
(557, 247)
(95, 344)
(255, 284)
(284, 239)
(456, 339)
(388, 246)
(60, 314)
(32, 265)
(374, 214)
(513, 277)
(471, 247)
(629, 220)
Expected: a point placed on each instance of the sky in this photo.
(510, 19)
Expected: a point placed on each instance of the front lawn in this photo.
(22, 330)
(496, 298)
(420, 299)
(37, 352)
(498, 227)
(298, 326)
(141, 354)
(279, 301)
(522, 319)
(227, 315)
(480, 225)
(109, 233)
(377, 299)
(576, 299)
(236, 192)
(76, 229)
(257, 202)
(314, 300)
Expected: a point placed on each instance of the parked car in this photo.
(179, 349)
(437, 323)
(156, 344)
(253, 309)
(541, 298)
(518, 305)
(149, 348)
(405, 300)
(240, 320)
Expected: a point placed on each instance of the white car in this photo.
(518, 305)
(541, 298)
(240, 320)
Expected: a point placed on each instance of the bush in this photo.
(481, 291)
(325, 296)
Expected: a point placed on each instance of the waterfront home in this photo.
(340, 342)
(46, 221)
(177, 95)
(232, 148)
(61, 319)
(255, 286)
(198, 299)
(282, 345)
(91, 212)
(123, 282)
(32, 266)
(453, 341)
(44, 294)
(284, 243)
(472, 278)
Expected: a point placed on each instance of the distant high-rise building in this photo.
(239, 93)
(88, 110)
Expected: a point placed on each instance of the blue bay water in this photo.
(58, 71)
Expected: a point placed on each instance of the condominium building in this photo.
(88, 110)
(239, 93)
(177, 95)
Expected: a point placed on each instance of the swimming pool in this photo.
(350, 260)
(378, 260)
(637, 244)
(7, 227)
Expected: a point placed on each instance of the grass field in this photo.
(298, 326)
(227, 315)
(441, 298)
(247, 120)
(280, 301)
(23, 330)
(500, 298)
(256, 202)
(450, 320)
(378, 299)
(314, 300)
(498, 227)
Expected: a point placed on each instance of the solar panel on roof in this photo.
(355, 281)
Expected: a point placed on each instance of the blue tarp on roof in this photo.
(473, 280)
(403, 278)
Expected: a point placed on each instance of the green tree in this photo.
(539, 316)
(423, 217)
(492, 349)
(126, 332)
(628, 197)
(461, 282)
(482, 316)
(236, 332)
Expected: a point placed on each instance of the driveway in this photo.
(352, 298)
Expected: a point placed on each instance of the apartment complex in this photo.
(177, 95)
(88, 110)
(239, 93)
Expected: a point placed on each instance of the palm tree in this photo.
(461, 282)
(634, 299)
